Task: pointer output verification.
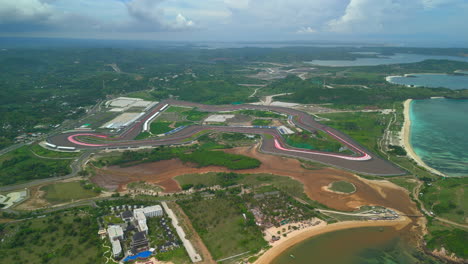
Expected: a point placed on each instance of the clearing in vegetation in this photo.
(316, 141)
(68, 191)
(222, 226)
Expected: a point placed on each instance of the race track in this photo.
(362, 162)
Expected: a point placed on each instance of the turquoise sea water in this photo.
(439, 134)
(395, 59)
(454, 82)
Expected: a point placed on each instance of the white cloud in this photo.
(24, 11)
(363, 16)
(182, 23)
(306, 30)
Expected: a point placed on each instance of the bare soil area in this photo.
(35, 200)
(368, 192)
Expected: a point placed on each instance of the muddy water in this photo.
(382, 245)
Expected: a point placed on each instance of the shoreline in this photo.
(389, 78)
(405, 140)
(284, 244)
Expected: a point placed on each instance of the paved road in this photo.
(363, 162)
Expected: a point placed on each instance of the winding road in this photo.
(363, 161)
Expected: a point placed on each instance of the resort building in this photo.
(115, 232)
(140, 242)
(127, 216)
(150, 211)
(140, 219)
(116, 248)
(140, 215)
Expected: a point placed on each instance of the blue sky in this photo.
(239, 20)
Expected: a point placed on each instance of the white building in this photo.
(141, 221)
(116, 248)
(150, 211)
(115, 232)
(140, 215)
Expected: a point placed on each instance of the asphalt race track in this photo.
(362, 162)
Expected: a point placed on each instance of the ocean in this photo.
(439, 129)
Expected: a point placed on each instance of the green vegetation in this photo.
(219, 158)
(220, 224)
(160, 127)
(359, 87)
(68, 191)
(446, 198)
(195, 115)
(177, 256)
(365, 128)
(261, 122)
(202, 156)
(43, 152)
(317, 141)
(22, 165)
(176, 109)
(343, 186)
(282, 183)
(452, 239)
(143, 135)
(64, 237)
(397, 150)
(112, 219)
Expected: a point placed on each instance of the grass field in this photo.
(318, 141)
(177, 109)
(160, 127)
(65, 237)
(261, 122)
(223, 229)
(65, 192)
(22, 165)
(365, 128)
(343, 186)
(406, 182)
(447, 198)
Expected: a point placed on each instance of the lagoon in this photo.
(383, 60)
(454, 82)
(352, 246)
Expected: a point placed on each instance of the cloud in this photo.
(364, 16)
(149, 15)
(371, 16)
(306, 30)
(183, 23)
(22, 11)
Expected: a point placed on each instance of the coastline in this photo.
(293, 239)
(390, 77)
(405, 140)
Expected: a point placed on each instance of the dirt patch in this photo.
(368, 192)
(35, 201)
